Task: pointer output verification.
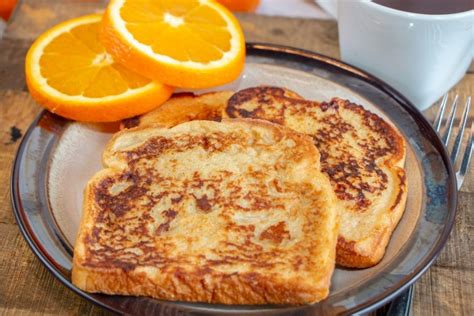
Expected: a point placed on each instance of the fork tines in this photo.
(460, 163)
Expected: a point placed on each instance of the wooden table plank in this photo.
(448, 287)
(25, 285)
(12, 59)
(33, 17)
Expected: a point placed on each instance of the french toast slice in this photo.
(362, 154)
(231, 212)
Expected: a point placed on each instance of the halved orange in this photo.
(183, 43)
(69, 72)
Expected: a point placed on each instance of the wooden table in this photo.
(26, 287)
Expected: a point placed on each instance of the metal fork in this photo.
(401, 305)
(462, 168)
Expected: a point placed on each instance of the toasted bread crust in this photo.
(126, 246)
(240, 288)
(183, 107)
(347, 253)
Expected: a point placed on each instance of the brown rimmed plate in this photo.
(57, 157)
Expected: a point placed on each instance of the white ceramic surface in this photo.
(420, 55)
(292, 8)
(330, 6)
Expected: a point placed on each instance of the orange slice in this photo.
(183, 43)
(69, 72)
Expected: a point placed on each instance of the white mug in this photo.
(420, 55)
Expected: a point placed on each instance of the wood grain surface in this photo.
(26, 287)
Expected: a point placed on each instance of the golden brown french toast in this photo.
(361, 153)
(232, 212)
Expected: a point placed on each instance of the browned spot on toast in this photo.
(402, 179)
(264, 96)
(177, 199)
(203, 203)
(276, 233)
(169, 215)
(119, 204)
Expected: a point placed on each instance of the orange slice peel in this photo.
(184, 43)
(69, 72)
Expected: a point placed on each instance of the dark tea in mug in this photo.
(429, 6)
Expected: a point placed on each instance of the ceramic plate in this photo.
(57, 157)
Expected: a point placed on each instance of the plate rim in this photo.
(255, 48)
